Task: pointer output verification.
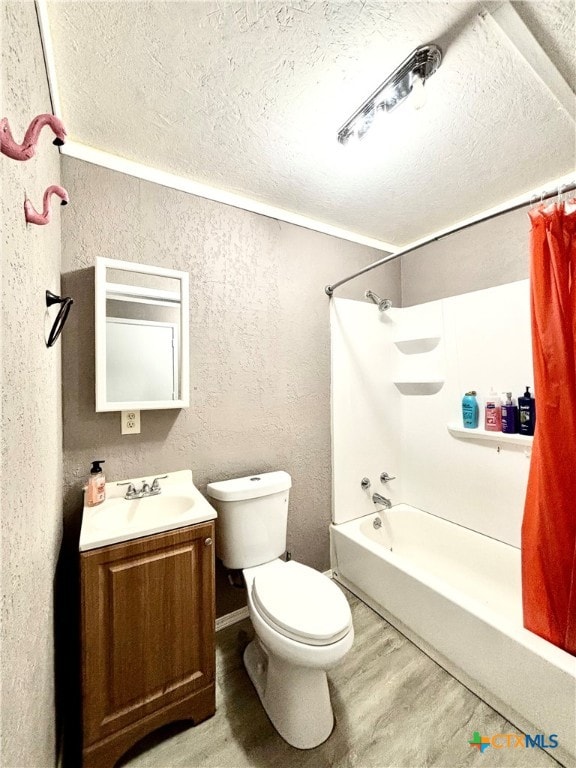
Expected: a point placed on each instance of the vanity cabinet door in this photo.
(147, 631)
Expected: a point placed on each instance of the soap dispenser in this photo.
(527, 411)
(96, 488)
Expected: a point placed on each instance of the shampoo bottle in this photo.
(96, 488)
(527, 412)
(509, 415)
(493, 413)
(470, 410)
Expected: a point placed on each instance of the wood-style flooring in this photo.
(394, 708)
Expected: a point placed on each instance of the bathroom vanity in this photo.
(147, 616)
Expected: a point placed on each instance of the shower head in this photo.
(383, 304)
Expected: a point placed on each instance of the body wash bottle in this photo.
(509, 415)
(527, 412)
(96, 488)
(470, 410)
(493, 413)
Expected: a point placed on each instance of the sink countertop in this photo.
(117, 519)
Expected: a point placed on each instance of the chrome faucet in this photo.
(156, 485)
(131, 492)
(146, 490)
(378, 499)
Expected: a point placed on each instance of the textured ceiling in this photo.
(248, 97)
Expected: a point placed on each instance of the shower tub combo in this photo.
(456, 594)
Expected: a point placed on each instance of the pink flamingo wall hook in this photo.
(27, 149)
(32, 215)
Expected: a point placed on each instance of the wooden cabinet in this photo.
(147, 638)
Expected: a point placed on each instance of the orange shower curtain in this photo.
(549, 526)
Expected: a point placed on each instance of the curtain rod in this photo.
(329, 289)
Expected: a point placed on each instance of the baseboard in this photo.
(231, 618)
(328, 573)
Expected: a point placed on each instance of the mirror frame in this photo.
(102, 403)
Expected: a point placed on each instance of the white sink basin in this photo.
(135, 512)
(118, 519)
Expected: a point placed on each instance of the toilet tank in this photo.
(252, 518)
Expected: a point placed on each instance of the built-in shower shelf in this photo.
(419, 387)
(457, 430)
(417, 344)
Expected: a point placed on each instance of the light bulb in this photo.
(417, 92)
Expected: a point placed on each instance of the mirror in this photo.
(142, 354)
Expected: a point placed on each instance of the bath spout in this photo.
(378, 499)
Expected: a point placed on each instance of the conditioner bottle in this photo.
(493, 413)
(527, 411)
(470, 410)
(509, 415)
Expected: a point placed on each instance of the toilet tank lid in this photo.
(250, 487)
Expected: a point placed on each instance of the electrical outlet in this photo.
(130, 421)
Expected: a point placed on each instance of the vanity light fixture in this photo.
(409, 77)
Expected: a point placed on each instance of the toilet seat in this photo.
(302, 604)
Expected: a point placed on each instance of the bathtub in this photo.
(456, 594)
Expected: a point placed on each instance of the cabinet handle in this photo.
(208, 541)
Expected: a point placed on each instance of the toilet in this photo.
(302, 620)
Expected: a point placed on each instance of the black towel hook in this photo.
(58, 324)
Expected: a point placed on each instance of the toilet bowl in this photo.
(303, 628)
(301, 619)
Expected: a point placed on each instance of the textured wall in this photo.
(259, 343)
(489, 254)
(31, 412)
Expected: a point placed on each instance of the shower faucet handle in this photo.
(365, 483)
(385, 477)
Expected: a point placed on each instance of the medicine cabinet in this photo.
(142, 320)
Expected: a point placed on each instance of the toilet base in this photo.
(296, 699)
